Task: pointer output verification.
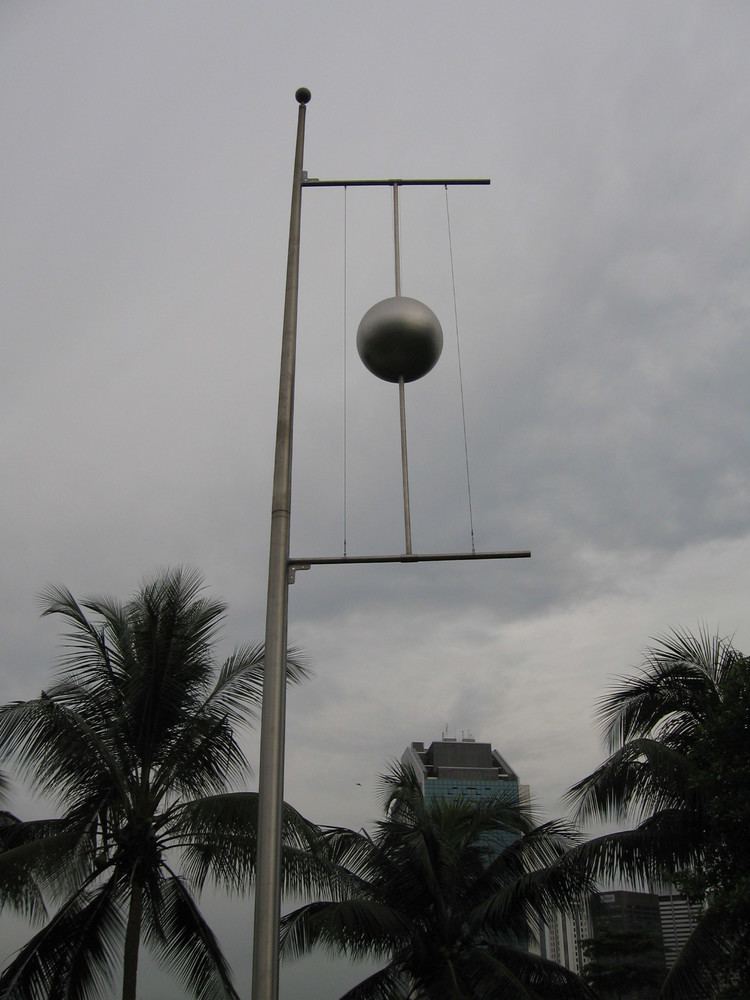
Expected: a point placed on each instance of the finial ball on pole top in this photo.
(303, 95)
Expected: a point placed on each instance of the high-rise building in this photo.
(609, 915)
(561, 939)
(625, 912)
(678, 918)
(465, 769)
(627, 926)
(453, 769)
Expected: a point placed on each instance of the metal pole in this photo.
(265, 981)
(401, 393)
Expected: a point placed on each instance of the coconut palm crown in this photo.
(439, 894)
(136, 743)
(678, 766)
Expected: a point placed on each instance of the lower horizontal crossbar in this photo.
(404, 558)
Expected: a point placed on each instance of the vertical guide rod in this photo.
(401, 392)
(265, 978)
(404, 466)
(396, 240)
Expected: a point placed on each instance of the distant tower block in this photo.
(399, 338)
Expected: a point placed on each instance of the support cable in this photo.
(460, 371)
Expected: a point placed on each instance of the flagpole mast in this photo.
(421, 355)
(265, 977)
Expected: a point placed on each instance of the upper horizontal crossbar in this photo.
(396, 182)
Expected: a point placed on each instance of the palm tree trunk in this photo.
(132, 938)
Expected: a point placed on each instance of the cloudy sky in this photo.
(603, 294)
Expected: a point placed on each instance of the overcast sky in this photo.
(603, 295)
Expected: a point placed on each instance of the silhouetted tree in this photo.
(624, 964)
(136, 742)
(679, 735)
(434, 893)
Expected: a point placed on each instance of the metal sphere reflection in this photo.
(399, 338)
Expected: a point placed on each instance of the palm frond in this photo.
(700, 966)
(410, 863)
(44, 856)
(489, 977)
(535, 847)
(19, 887)
(172, 629)
(682, 675)
(401, 794)
(173, 625)
(239, 686)
(204, 757)
(86, 650)
(218, 839)
(74, 956)
(355, 857)
(389, 983)
(642, 777)
(84, 642)
(647, 855)
(357, 927)
(559, 883)
(184, 943)
(56, 748)
(522, 974)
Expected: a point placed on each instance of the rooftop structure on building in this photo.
(622, 911)
(452, 769)
(462, 768)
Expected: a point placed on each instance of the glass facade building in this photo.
(465, 769)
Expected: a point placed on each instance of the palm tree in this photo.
(667, 730)
(136, 742)
(440, 893)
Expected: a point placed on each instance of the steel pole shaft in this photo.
(265, 978)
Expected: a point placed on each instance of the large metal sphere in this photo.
(399, 338)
